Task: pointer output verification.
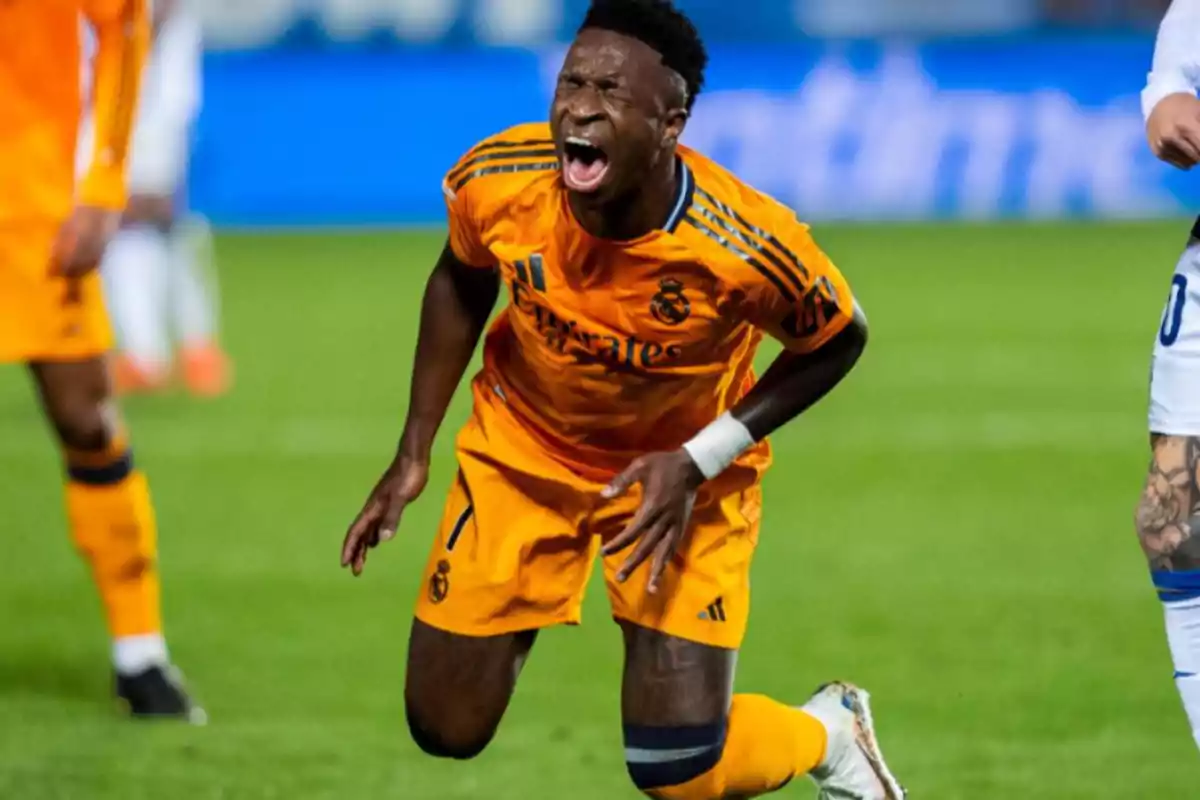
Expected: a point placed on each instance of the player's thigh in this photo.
(510, 554)
(77, 399)
(458, 687)
(705, 593)
(44, 317)
(1168, 513)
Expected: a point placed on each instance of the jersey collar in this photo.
(683, 196)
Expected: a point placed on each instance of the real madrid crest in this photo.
(670, 305)
(439, 582)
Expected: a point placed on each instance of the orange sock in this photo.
(767, 744)
(112, 523)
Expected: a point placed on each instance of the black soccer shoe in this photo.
(158, 693)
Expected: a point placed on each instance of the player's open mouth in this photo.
(584, 165)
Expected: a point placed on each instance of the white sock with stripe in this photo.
(1183, 636)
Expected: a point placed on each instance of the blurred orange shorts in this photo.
(43, 317)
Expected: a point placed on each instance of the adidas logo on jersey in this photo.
(715, 612)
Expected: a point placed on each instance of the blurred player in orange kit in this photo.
(52, 237)
(618, 413)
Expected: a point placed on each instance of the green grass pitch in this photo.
(952, 529)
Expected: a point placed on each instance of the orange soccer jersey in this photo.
(606, 351)
(40, 110)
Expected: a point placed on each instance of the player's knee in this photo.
(676, 763)
(448, 736)
(83, 425)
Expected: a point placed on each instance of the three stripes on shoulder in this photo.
(496, 158)
(707, 214)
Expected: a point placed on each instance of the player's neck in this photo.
(632, 215)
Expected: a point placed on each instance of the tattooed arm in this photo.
(1168, 516)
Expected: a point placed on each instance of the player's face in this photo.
(613, 117)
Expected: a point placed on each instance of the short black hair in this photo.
(663, 27)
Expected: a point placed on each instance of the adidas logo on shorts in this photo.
(715, 612)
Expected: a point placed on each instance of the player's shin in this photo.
(1180, 593)
(760, 748)
(112, 522)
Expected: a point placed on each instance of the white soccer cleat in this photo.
(853, 768)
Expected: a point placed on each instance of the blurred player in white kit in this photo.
(1168, 515)
(157, 271)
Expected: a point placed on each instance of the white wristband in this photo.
(719, 444)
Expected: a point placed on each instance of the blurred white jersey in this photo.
(1176, 67)
(170, 101)
(1175, 367)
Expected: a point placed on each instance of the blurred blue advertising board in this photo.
(1004, 127)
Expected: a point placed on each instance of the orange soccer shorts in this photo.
(520, 534)
(43, 317)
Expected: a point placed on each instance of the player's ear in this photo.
(676, 121)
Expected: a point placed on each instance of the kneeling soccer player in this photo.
(617, 409)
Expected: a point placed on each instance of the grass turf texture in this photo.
(952, 529)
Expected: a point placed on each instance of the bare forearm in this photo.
(795, 382)
(458, 301)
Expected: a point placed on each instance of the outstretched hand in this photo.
(403, 482)
(669, 483)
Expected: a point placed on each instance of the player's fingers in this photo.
(86, 249)
(650, 540)
(1180, 161)
(350, 546)
(360, 561)
(622, 483)
(356, 550)
(61, 252)
(643, 518)
(391, 518)
(1180, 149)
(1174, 158)
(662, 556)
(363, 523)
(1166, 151)
(1189, 140)
(363, 550)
